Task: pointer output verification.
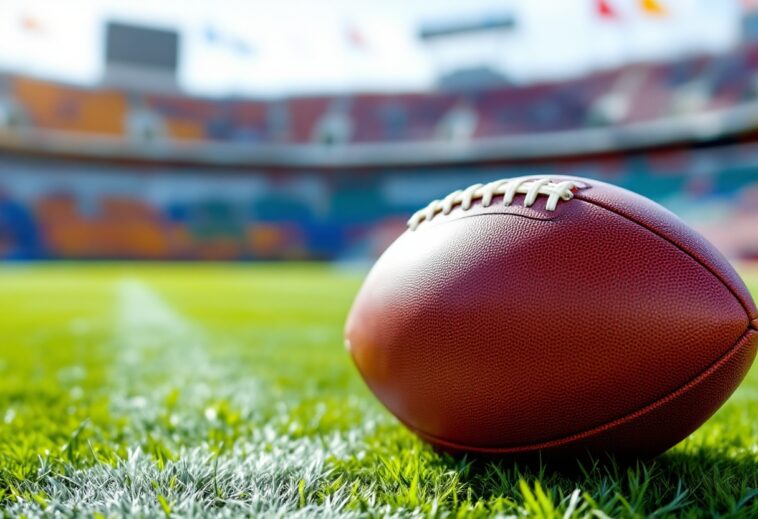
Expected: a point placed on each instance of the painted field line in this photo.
(265, 473)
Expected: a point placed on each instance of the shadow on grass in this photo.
(700, 478)
(703, 480)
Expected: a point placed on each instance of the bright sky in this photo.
(285, 46)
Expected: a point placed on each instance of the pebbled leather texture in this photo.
(666, 224)
(512, 329)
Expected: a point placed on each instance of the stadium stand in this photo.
(331, 216)
(58, 107)
(297, 200)
(636, 92)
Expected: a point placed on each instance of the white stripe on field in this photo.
(265, 474)
(262, 478)
(159, 352)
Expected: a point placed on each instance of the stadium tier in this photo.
(107, 174)
(632, 94)
(54, 209)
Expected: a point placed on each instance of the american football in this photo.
(552, 314)
(242, 274)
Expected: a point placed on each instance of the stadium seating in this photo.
(294, 214)
(290, 212)
(59, 107)
(632, 93)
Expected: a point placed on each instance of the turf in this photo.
(185, 390)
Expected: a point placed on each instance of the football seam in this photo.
(750, 317)
(752, 321)
(742, 341)
(531, 188)
(503, 213)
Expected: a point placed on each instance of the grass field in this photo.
(188, 390)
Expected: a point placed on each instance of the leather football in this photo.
(551, 314)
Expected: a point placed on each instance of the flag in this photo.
(241, 47)
(231, 43)
(653, 7)
(354, 38)
(32, 25)
(605, 10)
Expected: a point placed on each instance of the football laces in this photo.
(508, 188)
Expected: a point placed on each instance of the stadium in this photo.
(178, 263)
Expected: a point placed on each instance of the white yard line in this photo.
(276, 478)
(159, 352)
(266, 474)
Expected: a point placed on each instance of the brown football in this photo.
(552, 314)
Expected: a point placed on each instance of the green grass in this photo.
(189, 390)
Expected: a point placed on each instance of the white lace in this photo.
(509, 188)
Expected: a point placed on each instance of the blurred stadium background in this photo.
(131, 131)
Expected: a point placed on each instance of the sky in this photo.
(282, 47)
